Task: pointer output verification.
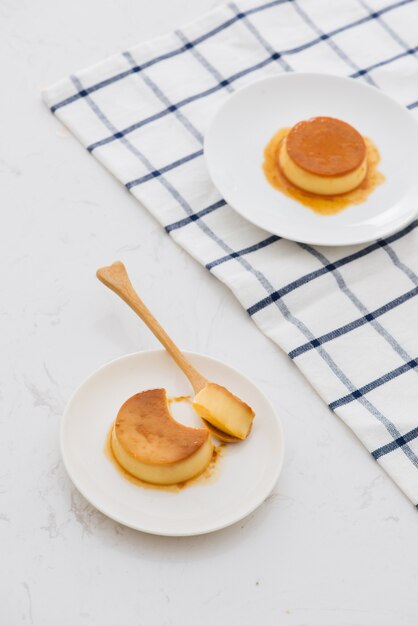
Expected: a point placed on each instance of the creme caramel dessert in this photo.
(324, 163)
(324, 156)
(152, 446)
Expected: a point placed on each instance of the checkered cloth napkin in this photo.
(346, 316)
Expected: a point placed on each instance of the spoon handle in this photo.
(116, 278)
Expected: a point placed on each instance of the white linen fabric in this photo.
(346, 316)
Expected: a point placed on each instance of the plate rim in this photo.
(102, 509)
(403, 220)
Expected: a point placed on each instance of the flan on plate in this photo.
(324, 156)
(151, 445)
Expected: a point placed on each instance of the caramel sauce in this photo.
(324, 205)
(208, 475)
(179, 399)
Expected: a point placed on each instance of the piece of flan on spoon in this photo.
(225, 411)
(151, 445)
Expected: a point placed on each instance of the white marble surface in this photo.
(336, 542)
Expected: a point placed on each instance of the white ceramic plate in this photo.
(240, 130)
(245, 474)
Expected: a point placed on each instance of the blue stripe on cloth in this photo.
(366, 70)
(361, 321)
(396, 444)
(355, 300)
(378, 382)
(254, 31)
(163, 98)
(253, 248)
(400, 265)
(331, 43)
(82, 93)
(279, 293)
(395, 36)
(193, 217)
(259, 276)
(203, 61)
(163, 170)
(191, 129)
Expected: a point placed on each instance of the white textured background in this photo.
(335, 545)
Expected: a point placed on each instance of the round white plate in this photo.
(245, 474)
(240, 130)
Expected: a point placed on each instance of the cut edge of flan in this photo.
(224, 410)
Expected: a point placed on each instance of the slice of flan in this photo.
(324, 156)
(224, 410)
(151, 445)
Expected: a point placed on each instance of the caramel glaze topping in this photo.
(326, 146)
(147, 431)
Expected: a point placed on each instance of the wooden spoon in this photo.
(116, 278)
